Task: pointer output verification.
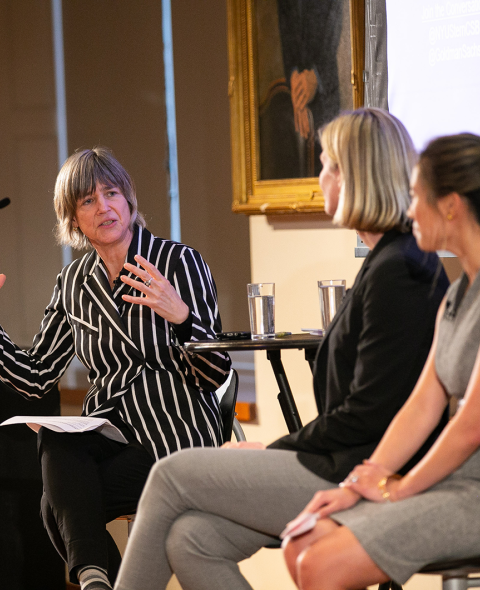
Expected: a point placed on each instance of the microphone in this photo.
(4, 202)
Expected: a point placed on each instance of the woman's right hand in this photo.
(327, 502)
(323, 504)
(2, 280)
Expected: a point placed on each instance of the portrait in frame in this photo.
(293, 66)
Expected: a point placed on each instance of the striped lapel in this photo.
(97, 289)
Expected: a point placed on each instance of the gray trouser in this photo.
(204, 510)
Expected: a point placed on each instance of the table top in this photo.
(299, 341)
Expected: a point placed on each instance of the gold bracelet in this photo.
(382, 485)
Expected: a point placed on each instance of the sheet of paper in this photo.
(300, 525)
(70, 424)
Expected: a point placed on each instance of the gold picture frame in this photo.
(251, 194)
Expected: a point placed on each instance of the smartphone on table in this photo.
(233, 335)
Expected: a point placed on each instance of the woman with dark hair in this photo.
(125, 309)
(432, 513)
(204, 510)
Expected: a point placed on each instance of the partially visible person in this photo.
(204, 510)
(432, 513)
(125, 309)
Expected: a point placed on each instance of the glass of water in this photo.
(331, 293)
(261, 307)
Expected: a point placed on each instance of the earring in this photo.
(75, 228)
(449, 216)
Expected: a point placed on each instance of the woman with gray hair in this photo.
(125, 309)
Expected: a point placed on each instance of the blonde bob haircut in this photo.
(79, 177)
(375, 156)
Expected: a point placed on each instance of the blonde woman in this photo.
(204, 510)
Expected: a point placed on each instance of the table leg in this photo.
(310, 355)
(285, 397)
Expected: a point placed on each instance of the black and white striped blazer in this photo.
(138, 367)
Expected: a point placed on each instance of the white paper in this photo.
(300, 525)
(70, 424)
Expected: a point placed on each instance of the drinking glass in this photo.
(331, 293)
(261, 307)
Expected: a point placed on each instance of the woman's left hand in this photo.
(159, 294)
(364, 480)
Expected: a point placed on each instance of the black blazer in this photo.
(371, 356)
(139, 372)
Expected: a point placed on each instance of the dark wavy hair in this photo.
(451, 164)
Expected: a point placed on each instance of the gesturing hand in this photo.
(159, 292)
(2, 280)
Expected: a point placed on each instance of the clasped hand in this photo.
(361, 482)
(364, 480)
(2, 280)
(159, 295)
(303, 88)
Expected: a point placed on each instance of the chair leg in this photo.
(238, 431)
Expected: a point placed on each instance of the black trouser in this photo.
(88, 481)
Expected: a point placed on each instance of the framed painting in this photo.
(294, 65)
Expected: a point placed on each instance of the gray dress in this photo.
(442, 523)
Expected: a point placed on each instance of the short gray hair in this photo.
(78, 177)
